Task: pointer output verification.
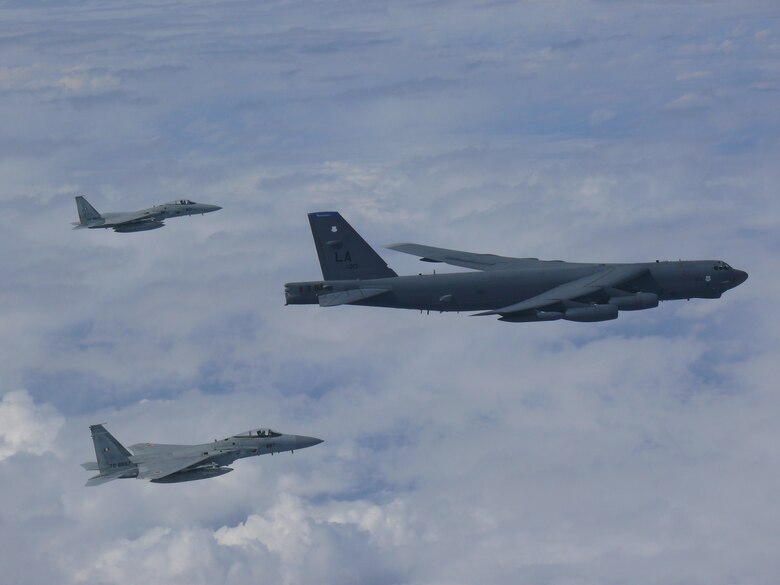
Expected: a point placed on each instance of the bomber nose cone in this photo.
(740, 276)
(301, 442)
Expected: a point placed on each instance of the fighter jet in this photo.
(517, 290)
(137, 221)
(177, 463)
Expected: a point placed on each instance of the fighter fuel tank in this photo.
(139, 227)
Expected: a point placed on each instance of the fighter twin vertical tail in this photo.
(113, 460)
(87, 213)
(343, 254)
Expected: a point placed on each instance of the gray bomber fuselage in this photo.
(475, 291)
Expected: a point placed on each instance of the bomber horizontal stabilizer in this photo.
(349, 296)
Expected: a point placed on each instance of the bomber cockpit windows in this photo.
(720, 265)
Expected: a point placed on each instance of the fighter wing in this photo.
(129, 217)
(160, 468)
(464, 259)
(609, 277)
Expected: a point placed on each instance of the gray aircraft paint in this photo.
(178, 463)
(143, 220)
(515, 289)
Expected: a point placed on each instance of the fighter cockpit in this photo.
(721, 265)
(182, 202)
(262, 433)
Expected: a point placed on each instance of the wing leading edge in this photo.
(463, 259)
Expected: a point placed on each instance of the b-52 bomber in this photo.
(517, 290)
(137, 221)
(178, 463)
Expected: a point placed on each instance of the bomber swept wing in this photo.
(609, 277)
(464, 259)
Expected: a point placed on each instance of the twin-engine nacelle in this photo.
(605, 312)
(590, 313)
(635, 302)
(584, 314)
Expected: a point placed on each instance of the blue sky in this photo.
(457, 449)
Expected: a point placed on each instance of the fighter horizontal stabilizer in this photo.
(610, 277)
(464, 259)
(349, 296)
(105, 478)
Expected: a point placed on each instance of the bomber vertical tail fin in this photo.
(87, 213)
(343, 254)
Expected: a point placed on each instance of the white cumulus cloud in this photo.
(27, 427)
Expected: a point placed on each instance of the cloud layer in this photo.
(457, 449)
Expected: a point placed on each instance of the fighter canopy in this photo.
(262, 433)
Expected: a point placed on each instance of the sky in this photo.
(457, 450)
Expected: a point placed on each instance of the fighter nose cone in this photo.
(213, 208)
(301, 442)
